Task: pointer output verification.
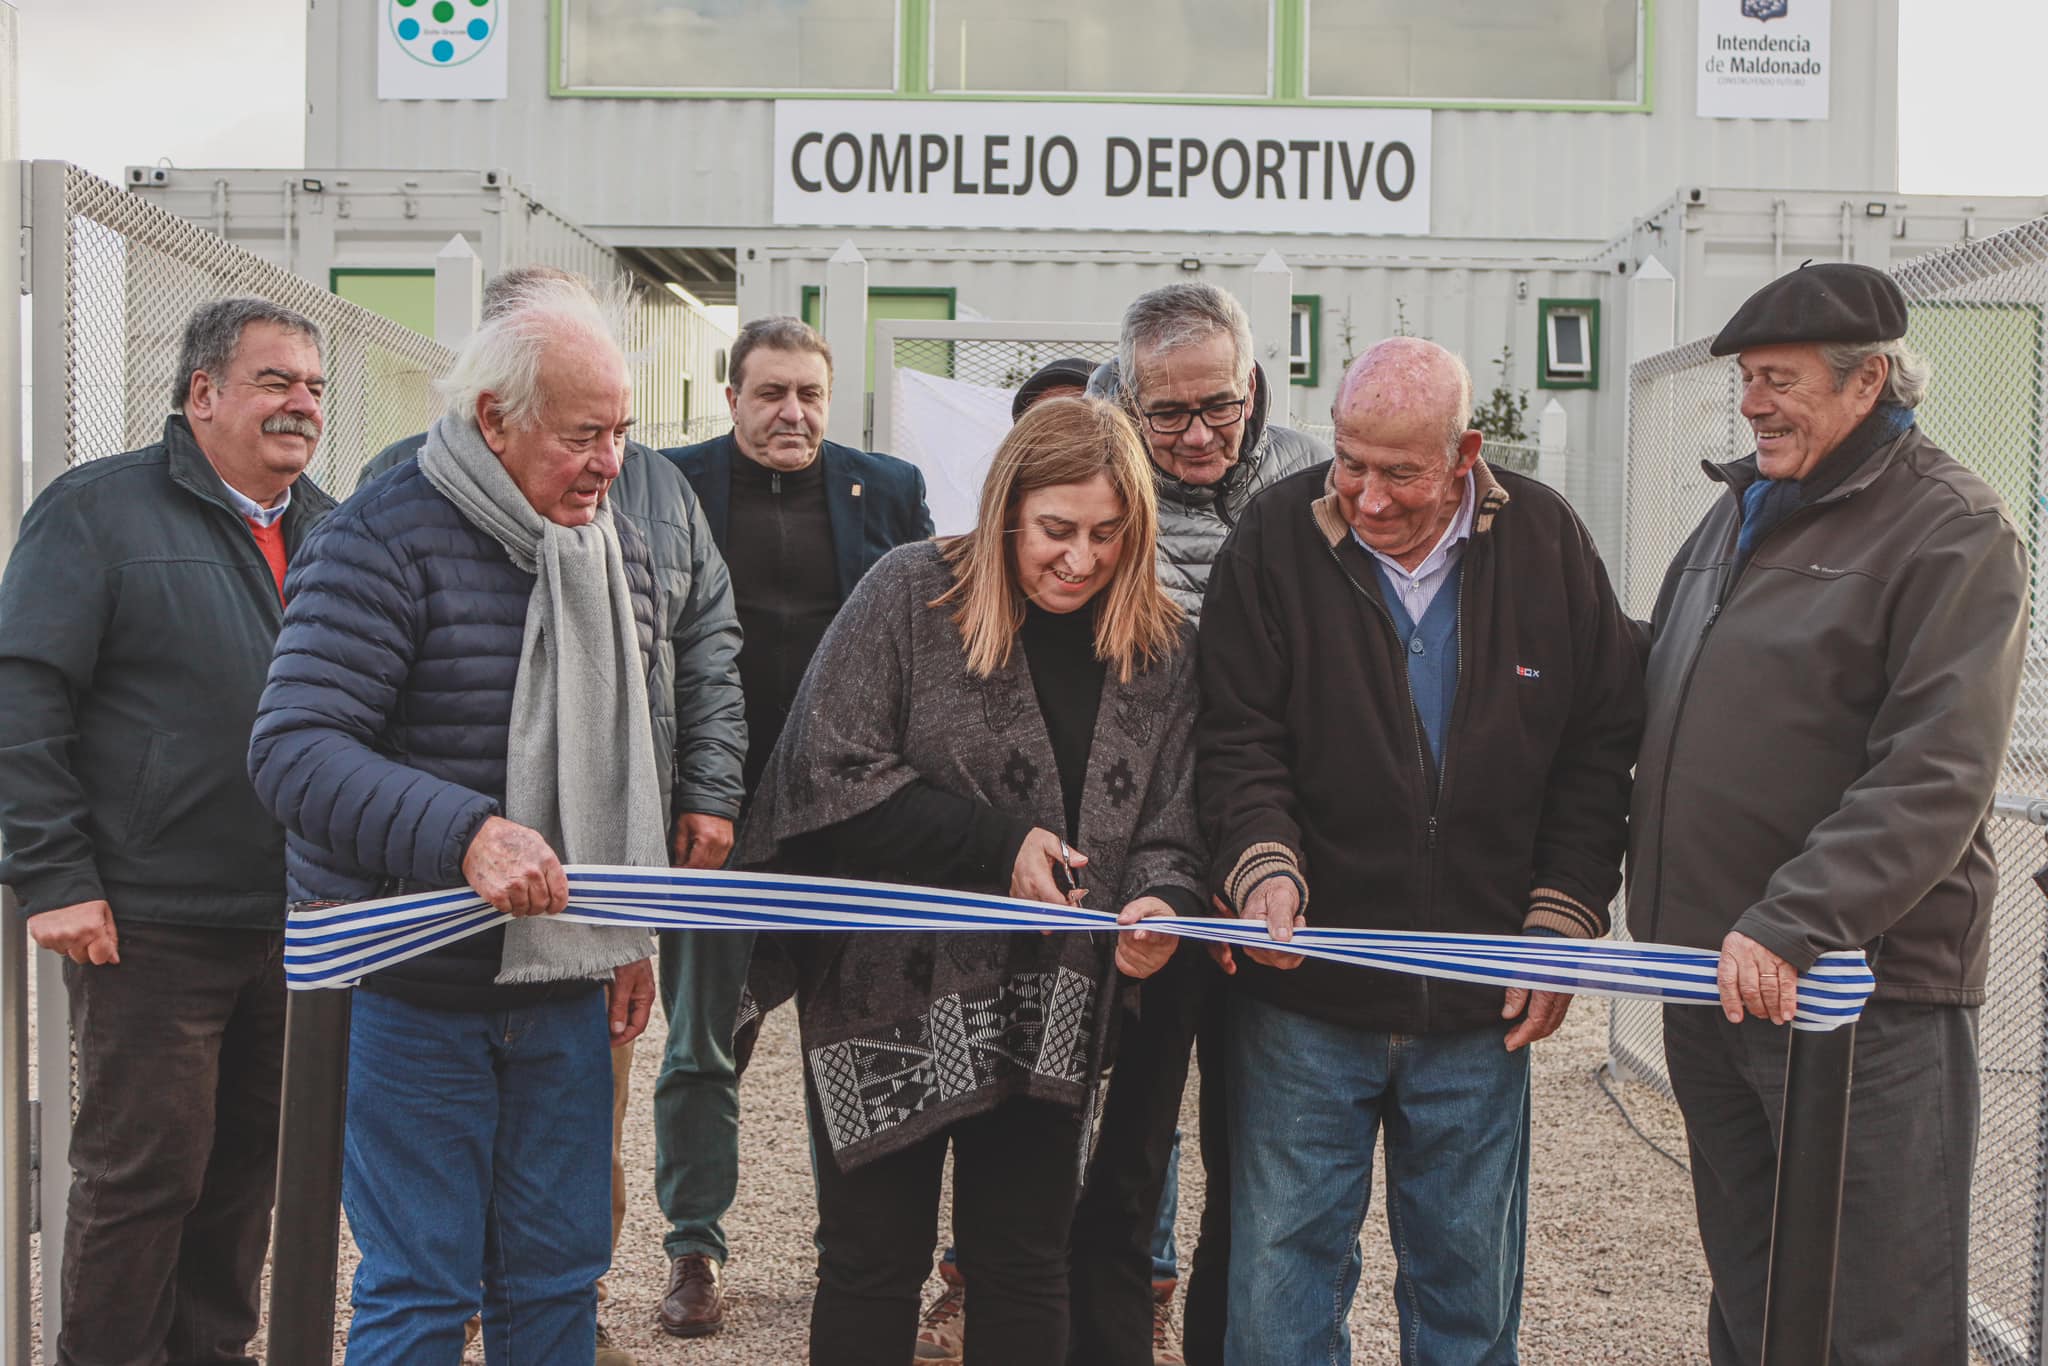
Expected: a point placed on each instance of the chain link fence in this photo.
(132, 274)
(1977, 316)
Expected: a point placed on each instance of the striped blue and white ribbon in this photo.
(336, 946)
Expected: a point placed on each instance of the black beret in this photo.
(1068, 372)
(1834, 302)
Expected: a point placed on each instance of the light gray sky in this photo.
(110, 83)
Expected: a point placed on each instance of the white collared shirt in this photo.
(254, 511)
(1418, 589)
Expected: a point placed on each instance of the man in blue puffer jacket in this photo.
(415, 732)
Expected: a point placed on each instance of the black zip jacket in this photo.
(137, 617)
(1310, 756)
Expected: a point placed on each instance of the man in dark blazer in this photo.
(799, 520)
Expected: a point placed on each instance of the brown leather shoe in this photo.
(694, 1306)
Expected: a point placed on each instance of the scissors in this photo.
(1067, 864)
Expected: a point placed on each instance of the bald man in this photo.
(1473, 701)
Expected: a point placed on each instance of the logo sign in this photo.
(1153, 168)
(441, 50)
(1763, 59)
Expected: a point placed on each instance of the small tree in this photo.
(1502, 416)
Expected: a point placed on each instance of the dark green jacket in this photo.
(137, 617)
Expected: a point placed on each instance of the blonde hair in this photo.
(1062, 441)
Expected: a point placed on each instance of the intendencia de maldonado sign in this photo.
(1147, 167)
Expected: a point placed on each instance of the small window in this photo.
(1568, 345)
(1074, 47)
(1304, 340)
(664, 45)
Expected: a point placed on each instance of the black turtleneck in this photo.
(785, 586)
(939, 837)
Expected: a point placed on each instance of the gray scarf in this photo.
(580, 764)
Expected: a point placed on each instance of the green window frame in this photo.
(1310, 374)
(401, 300)
(892, 302)
(1570, 377)
(1287, 75)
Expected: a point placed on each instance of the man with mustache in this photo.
(799, 519)
(137, 617)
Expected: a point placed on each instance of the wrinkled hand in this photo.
(629, 1000)
(1546, 1012)
(513, 868)
(84, 933)
(1751, 977)
(1140, 953)
(1277, 902)
(702, 841)
(1031, 877)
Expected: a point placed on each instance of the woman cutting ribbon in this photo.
(1008, 711)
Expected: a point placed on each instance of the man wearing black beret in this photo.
(1835, 656)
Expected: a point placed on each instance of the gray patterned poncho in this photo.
(903, 1034)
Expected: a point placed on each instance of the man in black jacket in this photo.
(137, 617)
(1420, 704)
(799, 520)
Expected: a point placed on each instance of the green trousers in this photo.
(697, 1097)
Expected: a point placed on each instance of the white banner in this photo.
(440, 49)
(1151, 167)
(1763, 59)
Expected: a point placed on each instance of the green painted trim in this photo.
(558, 22)
(334, 273)
(1288, 78)
(1290, 50)
(1544, 308)
(811, 292)
(914, 27)
(1315, 343)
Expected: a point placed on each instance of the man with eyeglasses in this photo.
(137, 618)
(1184, 368)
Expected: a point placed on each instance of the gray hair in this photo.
(1173, 316)
(502, 357)
(780, 333)
(214, 333)
(1906, 375)
(502, 290)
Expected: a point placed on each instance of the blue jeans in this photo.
(476, 1174)
(1165, 1256)
(1307, 1102)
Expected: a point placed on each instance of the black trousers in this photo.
(1015, 1170)
(1180, 1007)
(1901, 1279)
(174, 1153)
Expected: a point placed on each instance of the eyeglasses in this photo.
(1215, 416)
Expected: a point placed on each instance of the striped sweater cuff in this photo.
(1258, 863)
(1551, 909)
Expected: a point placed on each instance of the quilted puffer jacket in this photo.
(1195, 519)
(380, 740)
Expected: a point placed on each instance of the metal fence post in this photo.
(458, 292)
(1806, 1223)
(16, 1218)
(306, 1237)
(1552, 429)
(1272, 317)
(846, 331)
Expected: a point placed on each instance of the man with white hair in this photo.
(463, 694)
(1837, 650)
(1420, 702)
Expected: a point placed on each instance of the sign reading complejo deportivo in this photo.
(1152, 167)
(1764, 59)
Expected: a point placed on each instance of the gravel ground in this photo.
(1614, 1267)
(1614, 1271)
